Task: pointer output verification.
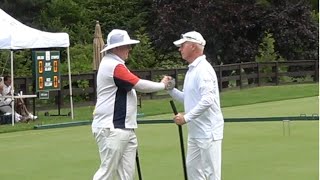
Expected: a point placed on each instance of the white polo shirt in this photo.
(201, 100)
(116, 105)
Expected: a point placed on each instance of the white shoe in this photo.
(18, 118)
(32, 117)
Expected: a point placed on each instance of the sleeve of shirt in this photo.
(206, 88)
(177, 95)
(123, 78)
(146, 86)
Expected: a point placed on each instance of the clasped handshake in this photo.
(169, 82)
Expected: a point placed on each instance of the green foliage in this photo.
(22, 63)
(227, 26)
(315, 16)
(142, 56)
(24, 10)
(315, 5)
(294, 29)
(5, 59)
(233, 29)
(129, 15)
(267, 53)
(81, 59)
(69, 16)
(264, 3)
(266, 49)
(174, 60)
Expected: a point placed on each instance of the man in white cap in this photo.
(203, 115)
(114, 117)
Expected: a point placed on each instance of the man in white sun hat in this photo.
(203, 116)
(114, 117)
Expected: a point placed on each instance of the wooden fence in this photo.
(229, 76)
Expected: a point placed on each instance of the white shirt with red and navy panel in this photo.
(116, 105)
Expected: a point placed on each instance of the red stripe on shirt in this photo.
(123, 73)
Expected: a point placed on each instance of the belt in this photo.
(128, 129)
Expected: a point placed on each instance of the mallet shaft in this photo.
(174, 109)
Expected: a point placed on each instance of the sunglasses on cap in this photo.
(182, 36)
(192, 39)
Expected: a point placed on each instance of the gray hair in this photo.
(199, 46)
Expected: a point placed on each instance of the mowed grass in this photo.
(251, 151)
(158, 107)
(259, 151)
(291, 107)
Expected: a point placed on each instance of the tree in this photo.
(293, 27)
(233, 29)
(142, 55)
(268, 54)
(227, 26)
(68, 16)
(129, 15)
(24, 10)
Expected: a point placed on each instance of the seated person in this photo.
(21, 111)
(5, 108)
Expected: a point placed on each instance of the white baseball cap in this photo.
(118, 37)
(191, 36)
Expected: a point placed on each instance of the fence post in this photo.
(258, 74)
(176, 77)
(240, 75)
(151, 77)
(220, 78)
(277, 73)
(316, 76)
(94, 74)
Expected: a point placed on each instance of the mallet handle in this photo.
(173, 106)
(174, 109)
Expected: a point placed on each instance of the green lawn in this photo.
(251, 151)
(291, 107)
(268, 94)
(241, 97)
(159, 107)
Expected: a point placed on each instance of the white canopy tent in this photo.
(14, 35)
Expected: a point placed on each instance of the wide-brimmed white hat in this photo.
(118, 37)
(192, 36)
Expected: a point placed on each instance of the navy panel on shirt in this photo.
(120, 108)
(125, 81)
(123, 84)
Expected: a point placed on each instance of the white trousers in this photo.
(117, 149)
(6, 108)
(204, 159)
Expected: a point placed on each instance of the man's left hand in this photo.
(179, 119)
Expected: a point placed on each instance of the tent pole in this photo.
(12, 91)
(70, 84)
